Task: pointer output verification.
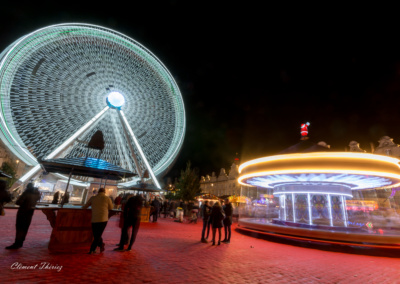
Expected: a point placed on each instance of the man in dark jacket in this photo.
(205, 213)
(228, 209)
(27, 203)
(156, 205)
(132, 213)
(5, 196)
(166, 207)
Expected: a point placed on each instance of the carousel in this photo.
(319, 196)
(311, 193)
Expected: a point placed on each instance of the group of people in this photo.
(214, 215)
(168, 208)
(101, 204)
(155, 205)
(63, 197)
(217, 216)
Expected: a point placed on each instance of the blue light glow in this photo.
(115, 99)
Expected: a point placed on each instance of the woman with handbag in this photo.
(216, 218)
(228, 209)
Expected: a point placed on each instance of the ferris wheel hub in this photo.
(115, 100)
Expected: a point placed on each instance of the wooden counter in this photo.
(72, 229)
(72, 226)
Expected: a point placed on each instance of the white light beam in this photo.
(140, 150)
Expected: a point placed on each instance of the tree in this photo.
(188, 185)
(9, 170)
(170, 196)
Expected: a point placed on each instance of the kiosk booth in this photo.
(71, 224)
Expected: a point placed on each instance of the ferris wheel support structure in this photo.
(122, 116)
(126, 127)
(139, 169)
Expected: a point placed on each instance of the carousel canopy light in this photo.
(354, 170)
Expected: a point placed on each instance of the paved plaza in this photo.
(171, 252)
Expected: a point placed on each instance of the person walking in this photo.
(117, 202)
(172, 207)
(121, 217)
(132, 213)
(228, 210)
(209, 220)
(217, 216)
(161, 206)
(27, 203)
(205, 213)
(166, 207)
(100, 204)
(156, 208)
(5, 196)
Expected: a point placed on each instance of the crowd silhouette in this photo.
(214, 215)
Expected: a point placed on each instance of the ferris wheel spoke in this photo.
(142, 155)
(65, 144)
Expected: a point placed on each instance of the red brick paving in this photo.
(171, 252)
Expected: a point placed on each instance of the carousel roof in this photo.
(305, 146)
(350, 169)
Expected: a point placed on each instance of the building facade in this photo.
(223, 184)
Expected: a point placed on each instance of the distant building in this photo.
(355, 147)
(387, 147)
(224, 184)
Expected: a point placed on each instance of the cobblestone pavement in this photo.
(171, 252)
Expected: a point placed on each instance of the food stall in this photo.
(72, 224)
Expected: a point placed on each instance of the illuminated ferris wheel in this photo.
(61, 84)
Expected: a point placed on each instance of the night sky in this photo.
(250, 75)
